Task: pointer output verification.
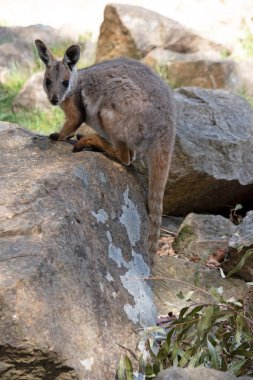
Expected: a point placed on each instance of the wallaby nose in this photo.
(54, 100)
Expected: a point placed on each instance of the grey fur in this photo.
(129, 106)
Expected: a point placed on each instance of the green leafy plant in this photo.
(241, 263)
(217, 335)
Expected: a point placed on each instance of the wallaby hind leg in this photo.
(158, 164)
(120, 152)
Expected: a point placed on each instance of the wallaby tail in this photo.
(158, 164)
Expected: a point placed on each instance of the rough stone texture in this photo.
(73, 231)
(212, 165)
(175, 274)
(196, 374)
(244, 71)
(205, 70)
(134, 31)
(161, 56)
(202, 235)
(16, 43)
(242, 237)
(32, 95)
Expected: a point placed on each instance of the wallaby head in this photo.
(60, 76)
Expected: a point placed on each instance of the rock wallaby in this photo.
(130, 107)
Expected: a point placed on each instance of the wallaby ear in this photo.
(72, 55)
(44, 53)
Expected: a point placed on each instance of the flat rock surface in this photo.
(73, 236)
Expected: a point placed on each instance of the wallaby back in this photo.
(131, 108)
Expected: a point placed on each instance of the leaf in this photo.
(237, 303)
(174, 354)
(194, 362)
(128, 368)
(241, 263)
(236, 366)
(157, 367)
(182, 312)
(216, 294)
(205, 321)
(238, 207)
(169, 335)
(222, 318)
(222, 274)
(121, 369)
(245, 353)
(149, 345)
(195, 310)
(180, 295)
(125, 369)
(186, 297)
(213, 354)
(162, 354)
(239, 327)
(186, 356)
(149, 371)
(196, 278)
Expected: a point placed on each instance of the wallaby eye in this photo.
(65, 83)
(48, 82)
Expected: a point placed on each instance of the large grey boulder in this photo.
(238, 245)
(212, 165)
(73, 238)
(134, 31)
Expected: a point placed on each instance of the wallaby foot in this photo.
(54, 136)
(121, 153)
(91, 141)
(79, 136)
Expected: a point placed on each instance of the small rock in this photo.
(201, 235)
(239, 243)
(32, 95)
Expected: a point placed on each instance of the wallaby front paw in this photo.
(79, 136)
(54, 136)
(77, 148)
